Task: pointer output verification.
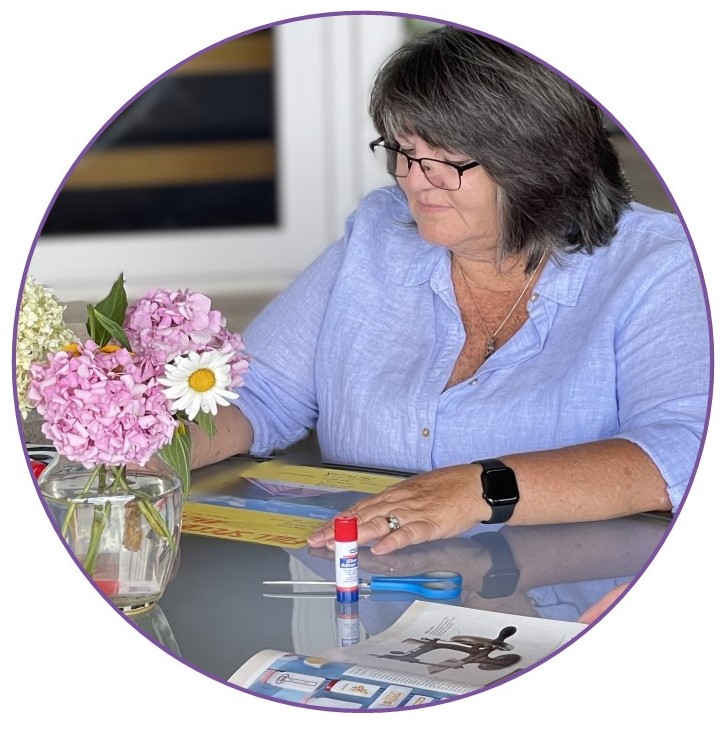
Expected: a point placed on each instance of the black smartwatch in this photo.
(500, 489)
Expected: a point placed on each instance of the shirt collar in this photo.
(561, 280)
(563, 277)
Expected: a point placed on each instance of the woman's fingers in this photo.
(321, 537)
(371, 526)
(378, 532)
(414, 532)
(438, 504)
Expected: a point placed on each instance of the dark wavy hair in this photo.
(560, 183)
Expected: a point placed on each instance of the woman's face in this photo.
(466, 221)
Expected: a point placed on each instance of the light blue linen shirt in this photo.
(361, 346)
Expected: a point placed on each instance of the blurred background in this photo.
(231, 173)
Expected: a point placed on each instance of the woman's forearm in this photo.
(592, 481)
(233, 436)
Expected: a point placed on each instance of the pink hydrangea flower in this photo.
(228, 342)
(97, 407)
(166, 324)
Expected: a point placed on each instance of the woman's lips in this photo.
(430, 208)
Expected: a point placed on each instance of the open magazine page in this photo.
(434, 651)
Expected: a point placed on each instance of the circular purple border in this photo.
(412, 17)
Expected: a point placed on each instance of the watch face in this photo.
(501, 486)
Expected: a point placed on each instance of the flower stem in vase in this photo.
(100, 518)
(95, 474)
(154, 519)
(119, 479)
(145, 504)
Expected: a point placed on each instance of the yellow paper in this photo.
(280, 481)
(315, 476)
(266, 528)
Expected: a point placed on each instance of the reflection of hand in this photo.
(439, 504)
(597, 609)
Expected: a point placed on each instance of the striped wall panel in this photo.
(196, 150)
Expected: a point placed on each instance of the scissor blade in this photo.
(308, 595)
(361, 584)
(301, 583)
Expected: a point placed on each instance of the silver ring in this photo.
(393, 522)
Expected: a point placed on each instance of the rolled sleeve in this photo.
(663, 375)
(279, 397)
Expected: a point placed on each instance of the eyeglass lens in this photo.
(441, 174)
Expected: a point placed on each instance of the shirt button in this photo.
(474, 381)
(425, 432)
(534, 296)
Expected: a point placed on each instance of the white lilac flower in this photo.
(198, 382)
(40, 330)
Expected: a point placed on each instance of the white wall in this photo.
(324, 68)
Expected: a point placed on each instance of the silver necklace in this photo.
(491, 340)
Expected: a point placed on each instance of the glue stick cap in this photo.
(345, 528)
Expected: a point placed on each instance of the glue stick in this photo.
(346, 574)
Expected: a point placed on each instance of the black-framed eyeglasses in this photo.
(442, 174)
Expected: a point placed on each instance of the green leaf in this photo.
(206, 421)
(177, 455)
(113, 330)
(113, 307)
(92, 326)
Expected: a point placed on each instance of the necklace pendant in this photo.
(490, 346)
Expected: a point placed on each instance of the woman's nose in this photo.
(416, 176)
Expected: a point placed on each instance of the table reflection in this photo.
(153, 623)
(216, 613)
(552, 571)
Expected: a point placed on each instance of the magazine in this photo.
(434, 651)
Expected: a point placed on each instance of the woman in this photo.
(502, 321)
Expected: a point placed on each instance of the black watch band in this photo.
(499, 489)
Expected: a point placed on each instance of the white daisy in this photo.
(199, 382)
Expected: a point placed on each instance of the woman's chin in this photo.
(435, 237)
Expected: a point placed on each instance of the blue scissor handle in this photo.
(432, 585)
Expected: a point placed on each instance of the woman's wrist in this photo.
(498, 489)
(233, 436)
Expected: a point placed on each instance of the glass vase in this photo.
(122, 524)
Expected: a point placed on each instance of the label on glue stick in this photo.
(346, 571)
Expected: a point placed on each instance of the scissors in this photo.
(429, 585)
